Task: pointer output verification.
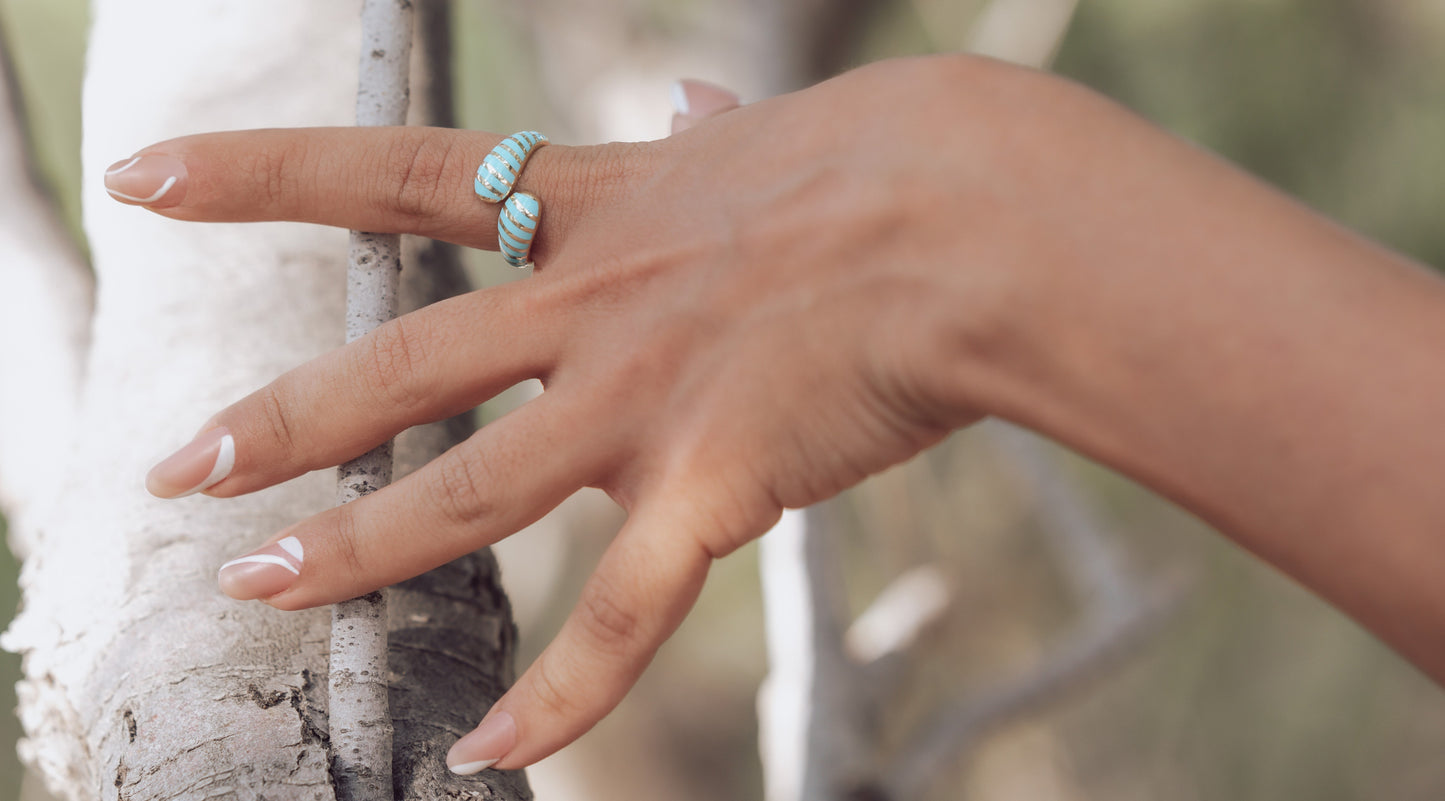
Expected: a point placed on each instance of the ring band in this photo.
(497, 174)
(516, 226)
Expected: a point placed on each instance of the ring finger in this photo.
(503, 478)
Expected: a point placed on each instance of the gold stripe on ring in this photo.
(507, 210)
(498, 176)
(505, 143)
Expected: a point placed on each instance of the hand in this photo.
(741, 318)
(765, 308)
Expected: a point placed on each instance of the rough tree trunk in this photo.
(141, 680)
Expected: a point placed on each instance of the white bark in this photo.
(141, 680)
(815, 736)
(361, 730)
(784, 699)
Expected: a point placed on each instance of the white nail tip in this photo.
(679, 99)
(225, 462)
(292, 546)
(122, 168)
(468, 768)
(262, 559)
(159, 193)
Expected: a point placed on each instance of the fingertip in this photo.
(263, 573)
(646, 582)
(201, 464)
(678, 95)
(698, 100)
(153, 180)
(486, 745)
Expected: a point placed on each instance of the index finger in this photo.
(383, 180)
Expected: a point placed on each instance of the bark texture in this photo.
(141, 680)
(361, 730)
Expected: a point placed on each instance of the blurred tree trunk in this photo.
(141, 680)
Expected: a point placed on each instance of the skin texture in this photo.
(784, 298)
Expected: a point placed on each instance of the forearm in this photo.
(1243, 356)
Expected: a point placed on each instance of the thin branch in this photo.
(360, 719)
(785, 697)
(1085, 655)
(813, 734)
(1118, 615)
(1090, 559)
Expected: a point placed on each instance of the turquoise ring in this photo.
(497, 174)
(516, 226)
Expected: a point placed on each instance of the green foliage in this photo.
(46, 40)
(1338, 102)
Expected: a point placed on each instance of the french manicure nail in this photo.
(203, 463)
(151, 180)
(263, 573)
(482, 747)
(700, 99)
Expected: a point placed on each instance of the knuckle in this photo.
(605, 620)
(721, 532)
(739, 506)
(347, 541)
(395, 364)
(422, 160)
(278, 415)
(458, 492)
(276, 173)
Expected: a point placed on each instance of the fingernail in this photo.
(203, 463)
(699, 99)
(150, 180)
(483, 746)
(679, 98)
(263, 573)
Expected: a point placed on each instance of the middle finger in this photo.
(505, 477)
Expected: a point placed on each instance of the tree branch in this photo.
(1091, 562)
(191, 316)
(1084, 655)
(814, 731)
(360, 718)
(1117, 616)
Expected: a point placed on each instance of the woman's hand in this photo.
(745, 317)
(779, 301)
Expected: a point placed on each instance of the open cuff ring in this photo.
(521, 211)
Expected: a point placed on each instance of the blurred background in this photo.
(1251, 689)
